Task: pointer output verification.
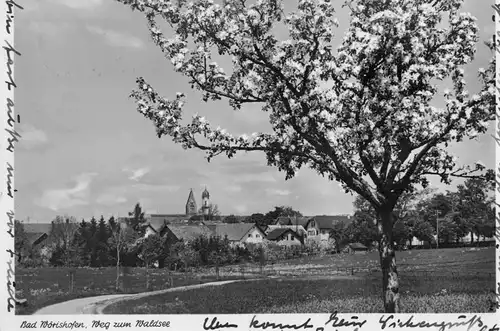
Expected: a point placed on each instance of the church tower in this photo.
(205, 198)
(191, 205)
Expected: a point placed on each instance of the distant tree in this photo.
(278, 211)
(423, 230)
(213, 212)
(21, 244)
(93, 242)
(231, 219)
(486, 227)
(448, 229)
(102, 245)
(403, 212)
(63, 230)
(122, 238)
(256, 218)
(62, 235)
(340, 234)
(401, 233)
(152, 249)
(188, 256)
(137, 220)
(83, 239)
(406, 204)
(474, 204)
(437, 205)
(363, 229)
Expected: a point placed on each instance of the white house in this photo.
(239, 233)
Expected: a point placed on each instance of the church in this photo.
(191, 207)
(191, 212)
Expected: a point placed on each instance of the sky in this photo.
(86, 151)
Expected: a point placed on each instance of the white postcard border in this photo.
(315, 322)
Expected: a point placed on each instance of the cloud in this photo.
(31, 136)
(233, 188)
(241, 209)
(80, 4)
(277, 192)
(115, 38)
(109, 199)
(44, 27)
(138, 173)
(156, 188)
(265, 177)
(57, 199)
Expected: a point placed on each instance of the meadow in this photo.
(432, 281)
(46, 286)
(444, 280)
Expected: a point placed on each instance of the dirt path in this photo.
(95, 305)
(76, 306)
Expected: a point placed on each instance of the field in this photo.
(46, 286)
(445, 280)
(432, 281)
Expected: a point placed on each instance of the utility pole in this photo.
(437, 229)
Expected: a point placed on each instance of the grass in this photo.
(431, 281)
(466, 274)
(46, 286)
(359, 295)
(404, 259)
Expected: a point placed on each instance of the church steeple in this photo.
(205, 194)
(191, 205)
(205, 200)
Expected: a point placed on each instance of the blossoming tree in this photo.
(363, 115)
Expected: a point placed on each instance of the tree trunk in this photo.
(117, 285)
(390, 281)
(147, 275)
(471, 237)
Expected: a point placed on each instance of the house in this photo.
(284, 237)
(239, 233)
(37, 233)
(41, 233)
(319, 227)
(357, 248)
(186, 232)
(299, 229)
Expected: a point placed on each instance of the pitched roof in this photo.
(191, 199)
(296, 228)
(189, 231)
(234, 231)
(157, 221)
(36, 238)
(37, 227)
(327, 222)
(277, 233)
(211, 225)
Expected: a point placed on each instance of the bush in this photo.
(32, 263)
(312, 247)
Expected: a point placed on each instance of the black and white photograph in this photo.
(212, 157)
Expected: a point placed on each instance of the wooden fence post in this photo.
(71, 275)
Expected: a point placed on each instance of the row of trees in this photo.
(426, 215)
